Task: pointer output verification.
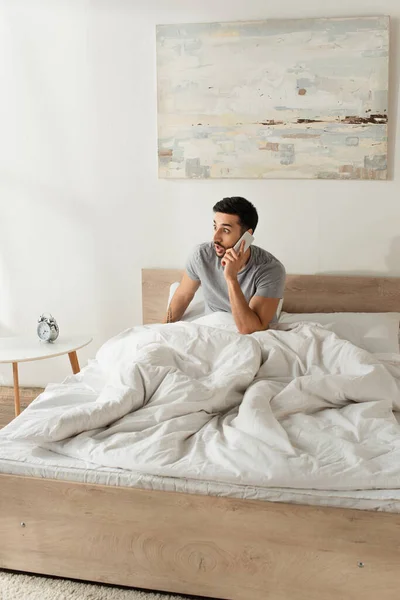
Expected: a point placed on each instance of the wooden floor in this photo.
(7, 401)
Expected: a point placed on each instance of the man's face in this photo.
(227, 231)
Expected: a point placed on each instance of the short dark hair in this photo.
(236, 205)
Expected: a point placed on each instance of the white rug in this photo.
(14, 586)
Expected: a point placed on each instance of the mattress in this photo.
(26, 459)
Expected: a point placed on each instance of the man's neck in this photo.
(247, 255)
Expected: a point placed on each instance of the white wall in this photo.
(81, 207)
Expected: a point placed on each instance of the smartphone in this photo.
(248, 240)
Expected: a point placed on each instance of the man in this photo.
(247, 284)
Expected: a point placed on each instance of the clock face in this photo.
(44, 331)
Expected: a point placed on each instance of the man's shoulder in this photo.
(262, 259)
(203, 251)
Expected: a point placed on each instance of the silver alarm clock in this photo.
(47, 328)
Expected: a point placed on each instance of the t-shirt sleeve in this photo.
(271, 281)
(193, 264)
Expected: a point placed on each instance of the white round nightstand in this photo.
(23, 349)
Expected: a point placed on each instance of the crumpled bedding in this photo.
(295, 407)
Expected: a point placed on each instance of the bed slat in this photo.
(200, 545)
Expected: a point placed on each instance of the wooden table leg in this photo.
(73, 359)
(17, 405)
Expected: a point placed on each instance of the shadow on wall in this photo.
(56, 204)
(4, 331)
(392, 261)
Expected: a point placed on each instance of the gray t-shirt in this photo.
(263, 275)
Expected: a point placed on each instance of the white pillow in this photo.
(195, 309)
(218, 320)
(279, 309)
(375, 332)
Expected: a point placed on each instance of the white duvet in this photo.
(295, 408)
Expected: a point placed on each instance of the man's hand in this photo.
(233, 262)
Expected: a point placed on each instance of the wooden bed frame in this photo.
(206, 545)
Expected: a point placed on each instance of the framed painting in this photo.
(304, 98)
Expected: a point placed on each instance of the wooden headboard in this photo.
(303, 293)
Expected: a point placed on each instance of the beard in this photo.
(219, 250)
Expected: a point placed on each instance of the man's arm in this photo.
(255, 316)
(181, 299)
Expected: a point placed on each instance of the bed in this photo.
(203, 542)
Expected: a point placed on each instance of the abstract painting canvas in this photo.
(304, 98)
